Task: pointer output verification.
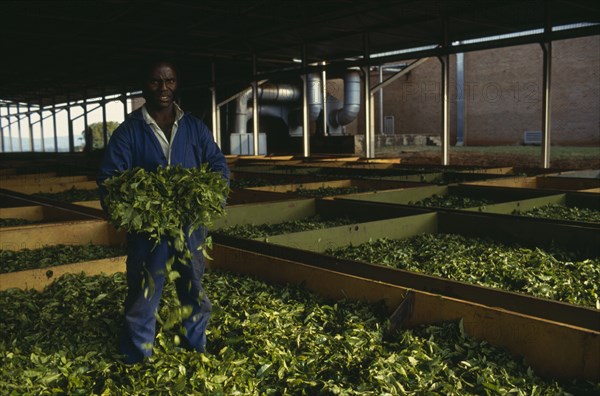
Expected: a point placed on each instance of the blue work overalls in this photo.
(133, 144)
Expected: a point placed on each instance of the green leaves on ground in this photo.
(562, 212)
(263, 340)
(54, 255)
(551, 274)
(315, 222)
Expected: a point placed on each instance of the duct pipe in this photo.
(314, 94)
(278, 93)
(241, 111)
(349, 112)
(271, 92)
(314, 101)
(272, 110)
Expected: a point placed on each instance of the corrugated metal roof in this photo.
(72, 49)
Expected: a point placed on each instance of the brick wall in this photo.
(576, 91)
(502, 95)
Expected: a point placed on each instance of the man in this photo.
(161, 134)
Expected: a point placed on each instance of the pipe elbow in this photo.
(351, 108)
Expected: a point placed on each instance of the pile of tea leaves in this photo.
(11, 222)
(451, 202)
(329, 191)
(72, 195)
(262, 340)
(553, 274)
(316, 222)
(54, 255)
(563, 212)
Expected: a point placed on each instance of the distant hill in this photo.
(63, 144)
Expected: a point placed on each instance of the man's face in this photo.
(160, 86)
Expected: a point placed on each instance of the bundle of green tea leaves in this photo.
(167, 203)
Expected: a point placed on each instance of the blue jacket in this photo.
(134, 144)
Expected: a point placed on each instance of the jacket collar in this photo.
(138, 115)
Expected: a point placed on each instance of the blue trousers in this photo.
(144, 260)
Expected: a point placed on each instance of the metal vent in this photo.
(388, 125)
(532, 138)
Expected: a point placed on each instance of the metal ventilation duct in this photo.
(278, 94)
(349, 112)
(278, 100)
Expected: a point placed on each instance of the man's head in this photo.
(159, 84)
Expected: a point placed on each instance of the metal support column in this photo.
(86, 126)
(445, 88)
(54, 125)
(460, 99)
(218, 125)
(546, 96)
(369, 135)
(380, 101)
(370, 112)
(324, 87)
(10, 142)
(2, 132)
(255, 124)
(104, 125)
(70, 122)
(214, 108)
(30, 124)
(305, 125)
(124, 100)
(19, 127)
(41, 111)
(445, 63)
(546, 86)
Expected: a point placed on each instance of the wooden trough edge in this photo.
(39, 278)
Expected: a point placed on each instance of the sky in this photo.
(114, 112)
